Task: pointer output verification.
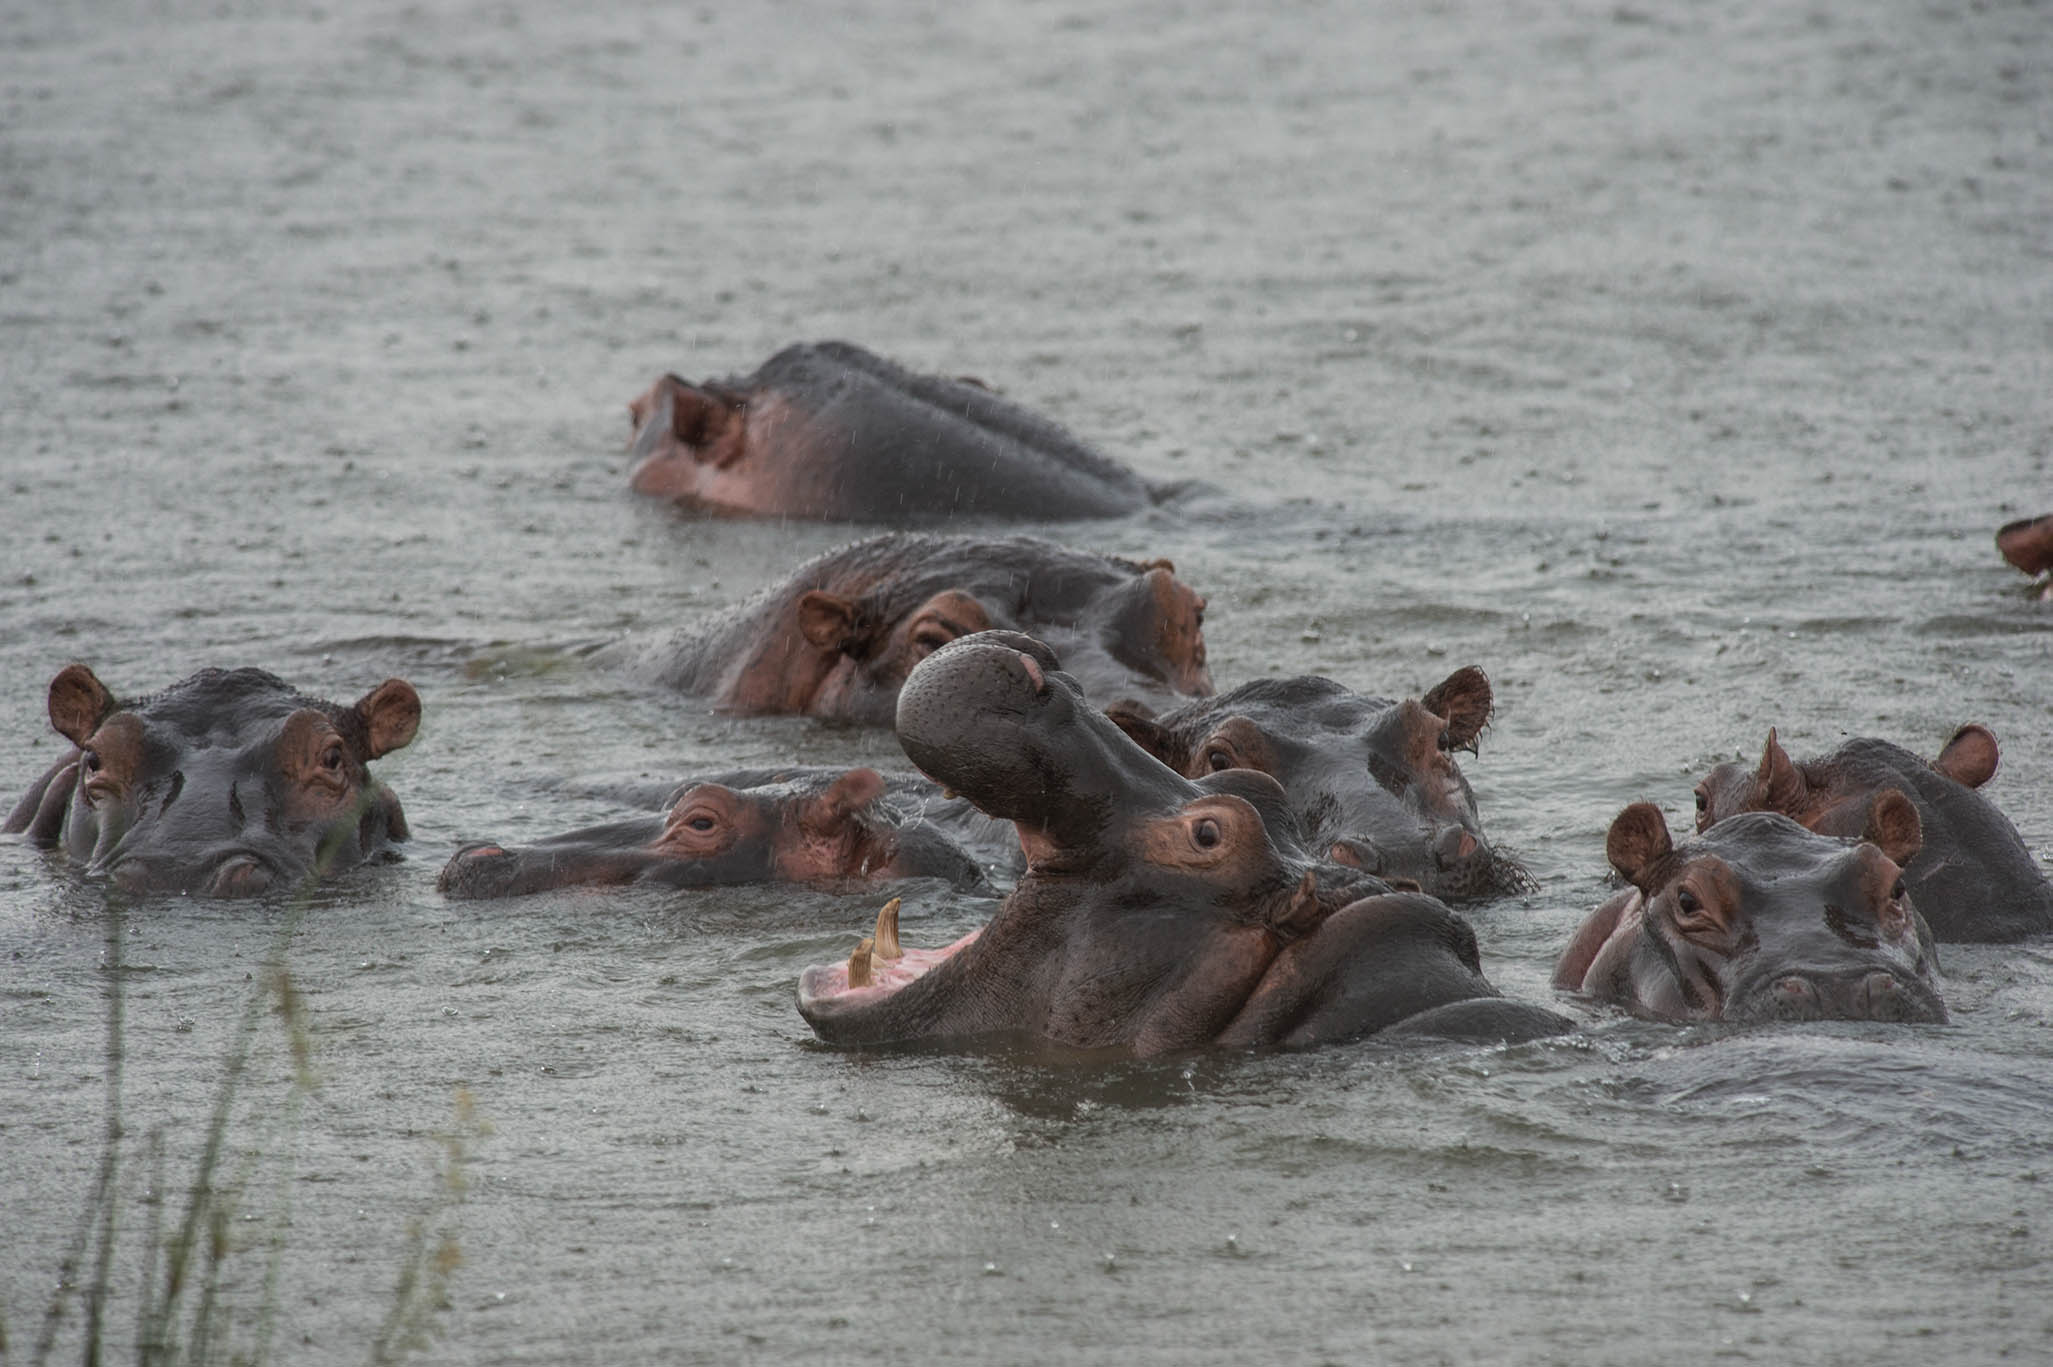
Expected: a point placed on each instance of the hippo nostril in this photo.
(1034, 675)
(1454, 847)
(1793, 991)
(242, 876)
(1883, 996)
(1356, 854)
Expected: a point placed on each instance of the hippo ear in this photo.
(1637, 842)
(1137, 719)
(1893, 825)
(1463, 697)
(391, 713)
(703, 419)
(829, 621)
(849, 794)
(79, 702)
(1782, 785)
(1970, 757)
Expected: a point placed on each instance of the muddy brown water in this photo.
(1674, 364)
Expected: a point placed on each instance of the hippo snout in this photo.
(1878, 994)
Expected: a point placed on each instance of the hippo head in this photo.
(1156, 912)
(1760, 919)
(1373, 782)
(801, 831)
(1834, 795)
(226, 784)
(840, 639)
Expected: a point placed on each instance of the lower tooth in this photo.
(859, 963)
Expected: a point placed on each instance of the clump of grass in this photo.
(182, 1313)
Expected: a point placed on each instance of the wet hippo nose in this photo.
(1455, 847)
(241, 876)
(1876, 995)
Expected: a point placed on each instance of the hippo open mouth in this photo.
(879, 967)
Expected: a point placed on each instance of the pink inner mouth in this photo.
(824, 983)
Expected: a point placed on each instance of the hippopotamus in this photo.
(2028, 544)
(829, 431)
(226, 784)
(804, 825)
(839, 636)
(1974, 881)
(1372, 780)
(1758, 919)
(1156, 913)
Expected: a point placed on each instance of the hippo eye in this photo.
(1205, 835)
(1896, 894)
(700, 823)
(1703, 802)
(1218, 759)
(91, 761)
(1690, 913)
(331, 759)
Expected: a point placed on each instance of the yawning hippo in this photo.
(832, 432)
(802, 826)
(225, 784)
(1974, 880)
(1373, 781)
(838, 637)
(1156, 913)
(1759, 919)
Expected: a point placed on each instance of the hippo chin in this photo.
(1156, 913)
(1974, 881)
(1372, 780)
(1759, 919)
(227, 784)
(802, 826)
(838, 638)
(830, 431)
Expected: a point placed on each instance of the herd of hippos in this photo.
(1267, 866)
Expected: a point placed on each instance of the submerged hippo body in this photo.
(1373, 780)
(1759, 919)
(832, 432)
(1974, 880)
(225, 784)
(838, 638)
(1156, 912)
(800, 825)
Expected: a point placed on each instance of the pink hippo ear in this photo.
(79, 702)
(1463, 697)
(1782, 786)
(829, 621)
(391, 714)
(849, 794)
(1970, 757)
(1637, 843)
(703, 420)
(1893, 826)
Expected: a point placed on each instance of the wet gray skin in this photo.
(1759, 919)
(1372, 780)
(838, 637)
(808, 826)
(1973, 879)
(227, 784)
(829, 430)
(1156, 913)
